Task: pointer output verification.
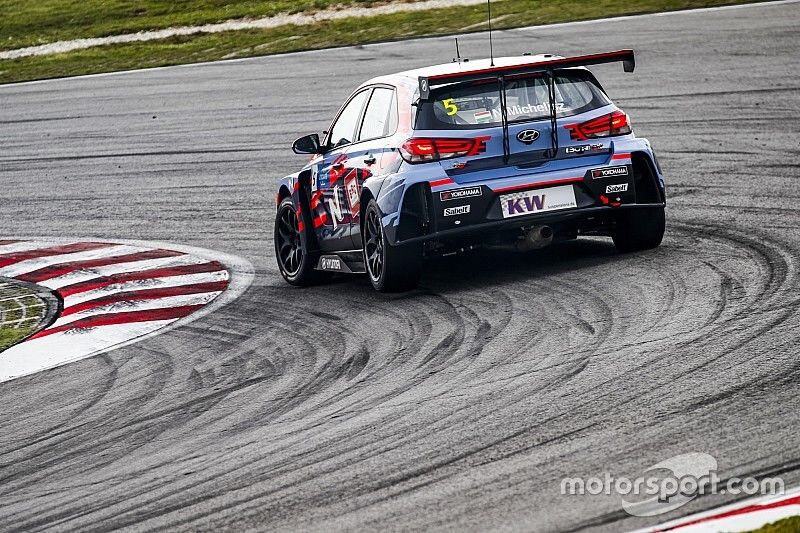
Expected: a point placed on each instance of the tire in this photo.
(389, 268)
(639, 229)
(295, 261)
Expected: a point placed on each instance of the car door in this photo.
(328, 200)
(366, 154)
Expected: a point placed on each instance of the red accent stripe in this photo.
(439, 183)
(795, 500)
(621, 156)
(16, 257)
(147, 294)
(130, 317)
(539, 184)
(54, 271)
(165, 272)
(315, 199)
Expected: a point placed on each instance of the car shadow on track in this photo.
(483, 268)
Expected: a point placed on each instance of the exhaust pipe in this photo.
(535, 238)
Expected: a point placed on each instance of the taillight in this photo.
(616, 123)
(419, 150)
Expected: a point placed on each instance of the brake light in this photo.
(420, 150)
(616, 123)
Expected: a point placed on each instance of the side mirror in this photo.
(308, 144)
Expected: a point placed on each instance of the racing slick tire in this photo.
(295, 261)
(639, 229)
(389, 268)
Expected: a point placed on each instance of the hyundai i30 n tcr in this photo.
(516, 152)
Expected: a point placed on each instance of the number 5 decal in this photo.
(451, 108)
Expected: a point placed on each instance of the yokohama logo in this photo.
(457, 194)
(609, 172)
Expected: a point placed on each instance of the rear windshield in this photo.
(477, 104)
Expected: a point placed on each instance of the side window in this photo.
(343, 131)
(381, 113)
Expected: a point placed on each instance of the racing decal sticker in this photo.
(114, 294)
(609, 172)
(482, 117)
(621, 187)
(327, 262)
(460, 210)
(457, 194)
(583, 148)
(537, 201)
(353, 193)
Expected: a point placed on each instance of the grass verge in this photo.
(21, 313)
(290, 38)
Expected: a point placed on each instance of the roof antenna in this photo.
(458, 54)
(491, 49)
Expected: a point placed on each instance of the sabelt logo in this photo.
(457, 194)
(609, 172)
(330, 263)
(460, 210)
(621, 187)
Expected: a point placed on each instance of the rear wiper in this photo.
(504, 120)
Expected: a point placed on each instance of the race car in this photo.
(513, 152)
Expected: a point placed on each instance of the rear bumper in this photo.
(593, 219)
(431, 212)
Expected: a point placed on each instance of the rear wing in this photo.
(427, 82)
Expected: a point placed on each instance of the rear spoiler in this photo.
(625, 56)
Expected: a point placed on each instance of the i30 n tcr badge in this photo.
(519, 154)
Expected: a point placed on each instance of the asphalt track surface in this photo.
(462, 405)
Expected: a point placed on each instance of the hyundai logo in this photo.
(527, 136)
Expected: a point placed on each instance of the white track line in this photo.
(140, 305)
(59, 349)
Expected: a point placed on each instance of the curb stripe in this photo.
(168, 313)
(79, 276)
(54, 271)
(69, 290)
(136, 305)
(147, 294)
(13, 258)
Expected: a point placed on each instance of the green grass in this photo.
(25, 306)
(209, 47)
(31, 22)
(787, 525)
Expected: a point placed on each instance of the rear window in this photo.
(477, 104)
